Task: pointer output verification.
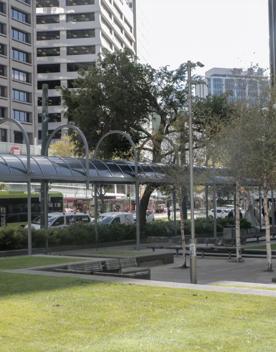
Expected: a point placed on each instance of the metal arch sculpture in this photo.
(29, 203)
(84, 140)
(137, 198)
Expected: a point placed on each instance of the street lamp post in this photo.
(193, 273)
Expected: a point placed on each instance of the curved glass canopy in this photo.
(13, 168)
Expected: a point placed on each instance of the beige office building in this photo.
(17, 70)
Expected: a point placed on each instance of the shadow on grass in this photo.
(23, 284)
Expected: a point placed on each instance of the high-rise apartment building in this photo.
(70, 36)
(17, 68)
(250, 85)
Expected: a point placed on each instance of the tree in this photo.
(121, 93)
(64, 147)
(246, 145)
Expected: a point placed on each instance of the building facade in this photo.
(71, 34)
(249, 85)
(17, 70)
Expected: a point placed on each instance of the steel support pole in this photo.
(96, 214)
(273, 212)
(137, 208)
(44, 184)
(174, 212)
(215, 210)
(193, 264)
(260, 208)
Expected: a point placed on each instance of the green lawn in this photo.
(70, 314)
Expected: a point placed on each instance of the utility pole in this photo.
(193, 269)
(44, 136)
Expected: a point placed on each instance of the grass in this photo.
(69, 315)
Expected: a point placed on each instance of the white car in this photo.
(149, 216)
(59, 220)
(221, 213)
(116, 218)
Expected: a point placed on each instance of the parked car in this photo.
(149, 216)
(221, 213)
(116, 218)
(58, 220)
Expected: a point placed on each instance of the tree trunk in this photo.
(144, 201)
(267, 230)
(182, 228)
(237, 223)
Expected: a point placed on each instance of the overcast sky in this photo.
(219, 33)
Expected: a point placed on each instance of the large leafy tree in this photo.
(121, 93)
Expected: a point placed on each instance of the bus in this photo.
(13, 206)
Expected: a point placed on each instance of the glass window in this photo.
(48, 68)
(3, 112)
(18, 137)
(81, 50)
(79, 2)
(47, 3)
(2, 7)
(80, 17)
(20, 16)
(3, 135)
(21, 56)
(3, 28)
(22, 76)
(52, 101)
(3, 49)
(3, 70)
(51, 84)
(21, 36)
(21, 116)
(21, 95)
(80, 33)
(48, 52)
(217, 86)
(3, 92)
(48, 35)
(53, 117)
(47, 19)
(77, 66)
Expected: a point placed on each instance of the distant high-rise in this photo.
(17, 68)
(70, 36)
(240, 85)
(272, 39)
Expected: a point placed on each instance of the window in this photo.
(3, 28)
(47, 19)
(28, 2)
(21, 56)
(53, 117)
(22, 76)
(2, 7)
(3, 92)
(51, 84)
(48, 52)
(3, 49)
(81, 50)
(21, 116)
(77, 66)
(49, 35)
(3, 70)
(47, 3)
(18, 137)
(3, 134)
(21, 95)
(80, 17)
(21, 36)
(48, 68)
(71, 83)
(52, 101)
(57, 135)
(3, 112)
(80, 33)
(79, 2)
(217, 86)
(20, 16)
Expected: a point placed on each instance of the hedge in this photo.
(16, 237)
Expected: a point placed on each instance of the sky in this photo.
(218, 33)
